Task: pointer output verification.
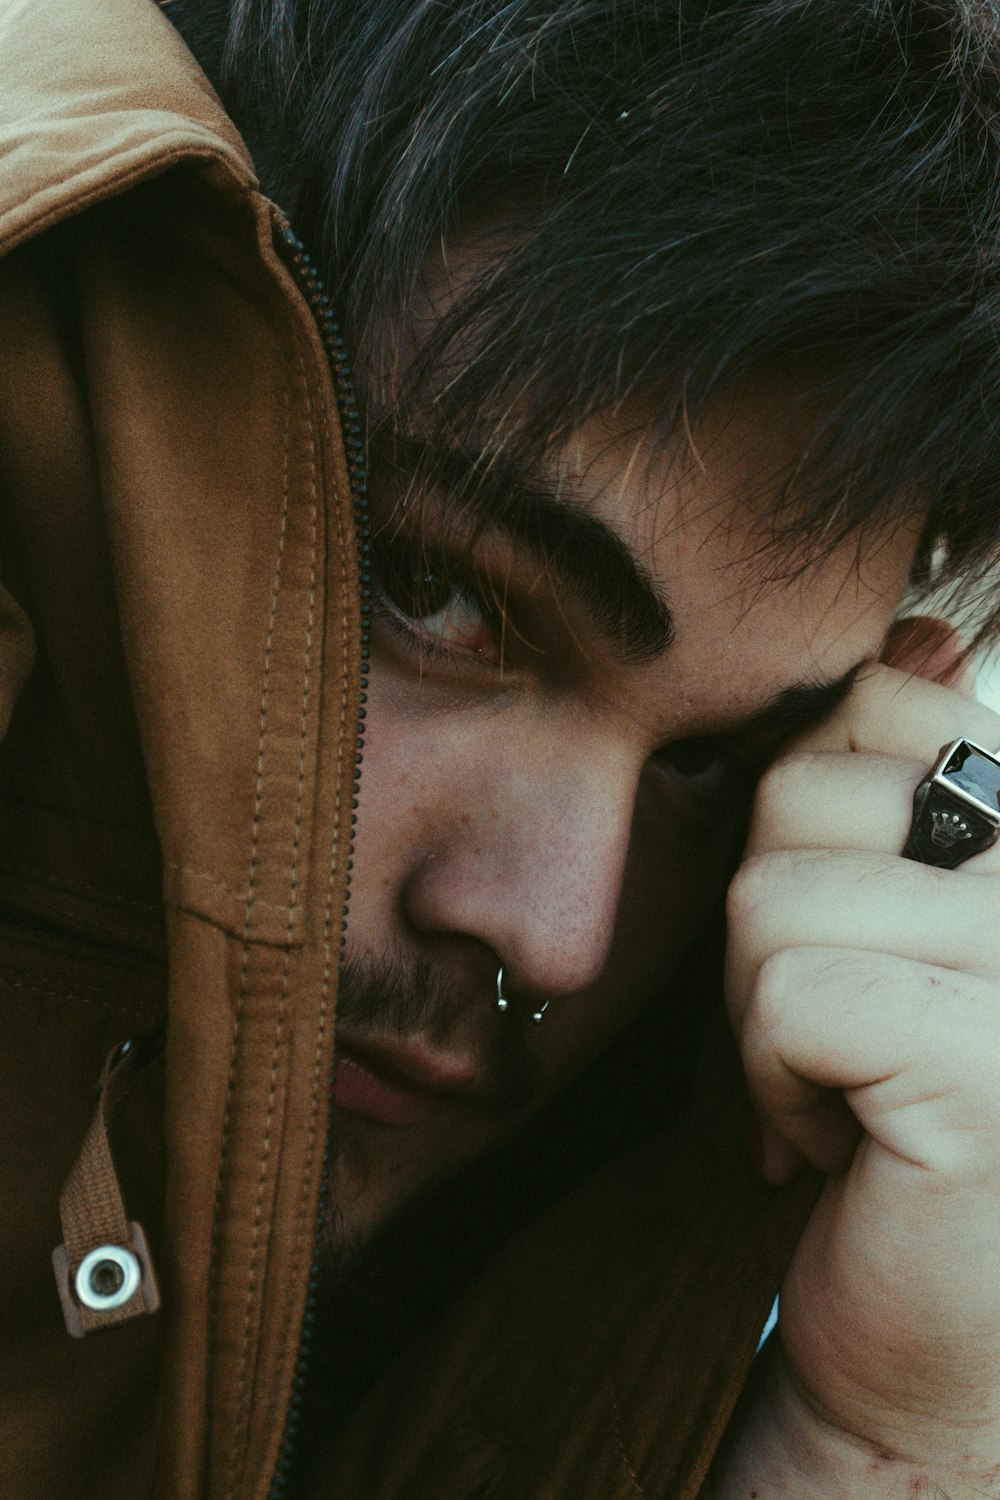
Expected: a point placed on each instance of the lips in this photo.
(398, 1083)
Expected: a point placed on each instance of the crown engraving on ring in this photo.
(948, 829)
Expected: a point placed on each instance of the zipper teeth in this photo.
(311, 284)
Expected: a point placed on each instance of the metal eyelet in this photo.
(107, 1278)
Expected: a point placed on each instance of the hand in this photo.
(865, 991)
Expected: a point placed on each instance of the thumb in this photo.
(930, 648)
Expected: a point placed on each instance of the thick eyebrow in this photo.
(797, 707)
(611, 586)
(614, 589)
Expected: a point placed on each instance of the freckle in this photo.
(494, 814)
(466, 818)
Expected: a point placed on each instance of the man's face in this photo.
(566, 716)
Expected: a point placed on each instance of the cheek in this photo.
(429, 780)
(677, 871)
(674, 880)
(398, 779)
(402, 797)
(416, 765)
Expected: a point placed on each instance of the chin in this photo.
(370, 1185)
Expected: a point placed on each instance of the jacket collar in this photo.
(98, 95)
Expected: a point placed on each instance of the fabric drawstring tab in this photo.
(103, 1268)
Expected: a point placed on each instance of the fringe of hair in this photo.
(693, 192)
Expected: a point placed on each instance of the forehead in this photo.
(695, 513)
(698, 515)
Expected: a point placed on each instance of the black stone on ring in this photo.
(956, 808)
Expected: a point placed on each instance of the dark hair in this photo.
(697, 191)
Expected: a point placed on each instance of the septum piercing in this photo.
(504, 1004)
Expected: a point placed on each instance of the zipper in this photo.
(310, 283)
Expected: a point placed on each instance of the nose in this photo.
(530, 865)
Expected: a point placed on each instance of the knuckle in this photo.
(873, 682)
(752, 888)
(988, 725)
(783, 786)
(767, 1011)
(745, 894)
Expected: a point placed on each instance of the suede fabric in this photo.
(179, 675)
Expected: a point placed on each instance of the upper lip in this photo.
(414, 1064)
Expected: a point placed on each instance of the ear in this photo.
(933, 649)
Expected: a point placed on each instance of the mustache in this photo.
(395, 997)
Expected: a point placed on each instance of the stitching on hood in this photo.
(305, 1222)
(279, 1029)
(224, 1143)
(242, 896)
(136, 1010)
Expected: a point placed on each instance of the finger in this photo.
(824, 800)
(893, 713)
(850, 899)
(821, 800)
(820, 1131)
(912, 1048)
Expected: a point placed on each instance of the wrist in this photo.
(779, 1445)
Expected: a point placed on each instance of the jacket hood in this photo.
(201, 360)
(98, 97)
(177, 776)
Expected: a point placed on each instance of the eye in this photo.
(710, 766)
(412, 583)
(426, 595)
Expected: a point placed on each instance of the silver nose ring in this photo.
(503, 1003)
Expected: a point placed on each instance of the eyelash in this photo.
(404, 568)
(738, 769)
